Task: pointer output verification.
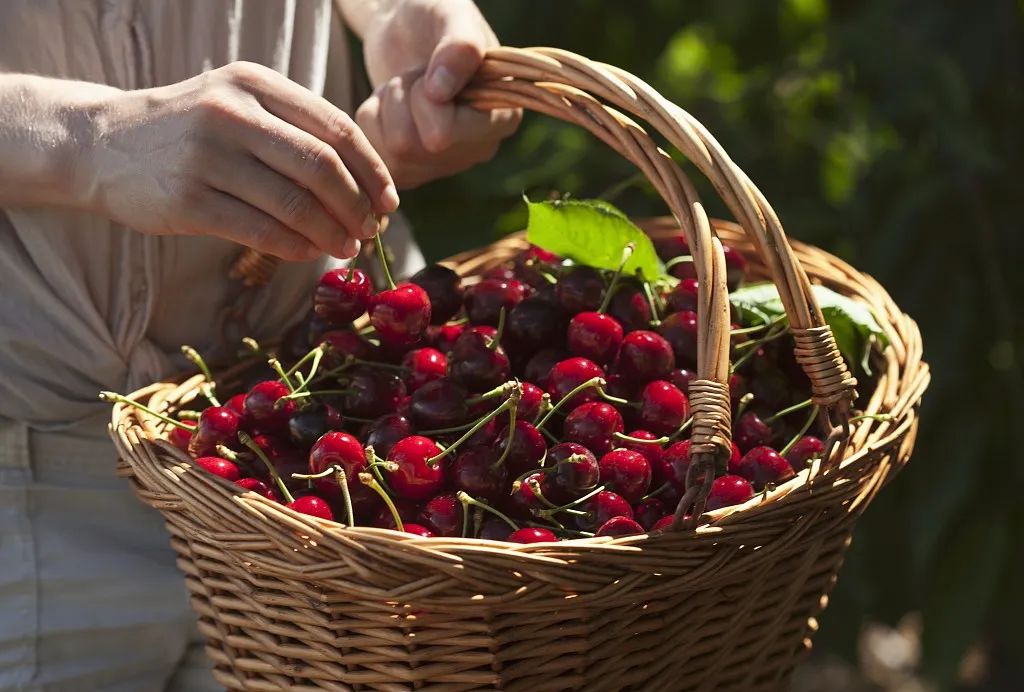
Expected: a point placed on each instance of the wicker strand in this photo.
(831, 381)
(253, 268)
(712, 418)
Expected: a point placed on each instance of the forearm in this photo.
(359, 15)
(45, 136)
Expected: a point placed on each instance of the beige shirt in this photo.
(86, 304)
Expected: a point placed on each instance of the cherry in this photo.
(620, 386)
(503, 272)
(407, 510)
(262, 408)
(728, 490)
(735, 267)
(259, 487)
(477, 362)
(400, 315)
(223, 468)
(424, 365)
(737, 389)
(295, 342)
(338, 449)
(671, 246)
(620, 526)
(443, 287)
(530, 401)
(344, 343)
(644, 356)
(751, 431)
(383, 433)
(476, 471)
(533, 324)
(645, 443)
(418, 530)
(443, 338)
(680, 330)
(180, 437)
(539, 366)
(648, 512)
(527, 450)
(683, 296)
(663, 408)
(485, 301)
(342, 295)
(373, 392)
(581, 289)
(664, 523)
(237, 403)
(306, 426)
(283, 455)
(524, 496)
(630, 307)
(536, 253)
(568, 374)
(674, 465)
(627, 472)
(217, 425)
(488, 433)
(803, 450)
(594, 335)
(443, 515)
(602, 507)
(417, 477)
(532, 534)
(313, 506)
(761, 466)
(593, 424)
(572, 470)
(439, 404)
(494, 529)
(681, 378)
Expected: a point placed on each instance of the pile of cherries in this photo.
(541, 401)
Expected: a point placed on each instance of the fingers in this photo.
(442, 126)
(457, 57)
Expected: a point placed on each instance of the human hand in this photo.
(242, 153)
(419, 55)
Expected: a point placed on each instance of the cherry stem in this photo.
(575, 503)
(626, 438)
(120, 398)
(744, 402)
(193, 355)
(465, 517)
(503, 389)
(627, 252)
(652, 302)
(679, 259)
(881, 417)
(251, 344)
(539, 494)
(466, 499)
(304, 380)
(511, 434)
(580, 534)
(384, 261)
(617, 400)
(752, 346)
(658, 491)
(275, 365)
(245, 439)
(319, 392)
(321, 348)
(788, 410)
(371, 482)
(803, 431)
(226, 453)
(513, 400)
(545, 406)
(376, 464)
(188, 415)
(592, 382)
(681, 429)
(499, 332)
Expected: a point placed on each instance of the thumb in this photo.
(457, 56)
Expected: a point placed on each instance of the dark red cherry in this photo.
(217, 425)
(728, 490)
(408, 511)
(503, 272)
(383, 433)
(621, 386)
(593, 425)
(295, 343)
(443, 287)
(680, 330)
(620, 526)
(665, 523)
(535, 253)
(651, 450)
(530, 402)
(671, 246)
(416, 477)
(601, 508)
(595, 336)
(683, 296)
(644, 356)
(262, 408)
(477, 363)
(228, 470)
(373, 393)
(344, 343)
(528, 448)
(418, 530)
(443, 338)
(443, 515)
(761, 466)
(400, 316)
(259, 487)
(313, 506)
(494, 529)
(571, 471)
(626, 472)
(568, 374)
(630, 307)
(237, 403)
(532, 534)
(306, 426)
(648, 512)
(439, 404)
(806, 448)
(538, 367)
(533, 324)
(737, 388)
(365, 502)
(180, 437)
(285, 457)
(663, 408)
(681, 378)
(751, 431)
(735, 267)
(524, 496)
(581, 289)
(674, 465)
(338, 449)
(342, 295)
(476, 470)
(424, 365)
(485, 301)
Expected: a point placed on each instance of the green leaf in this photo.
(852, 321)
(591, 232)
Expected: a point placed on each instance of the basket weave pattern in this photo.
(291, 602)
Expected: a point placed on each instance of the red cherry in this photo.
(664, 523)
(532, 534)
(682, 377)
(476, 471)
(568, 374)
(538, 367)
(680, 330)
(581, 289)
(627, 472)
(683, 296)
(620, 526)
(671, 246)
(751, 432)
(283, 455)
(443, 515)
(342, 295)
(443, 338)
(259, 487)
(649, 511)
(593, 425)
(236, 404)
(571, 471)
(227, 470)
(400, 316)
(477, 363)
(424, 365)
(180, 437)
(313, 506)
(761, 466)
(345, 343)
(262, 409)
(524, 497)
(217, 425)
(338, 449)
(735, 267)
(418, 530)
(536, 253)
(383, 433)
(644, 356)
(373, 393)
(663, 408)
(443, 287)
(307, 425)
(528, 448)
(630, 307)
(485, 301)
(651, 450)
(805, 449)
(728, 490)
(503, 272)
(439, 404)
(595, 336)
(601, 508)
(416, 478)
(408, 511)
(530, 401)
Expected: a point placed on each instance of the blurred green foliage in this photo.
(889, 133)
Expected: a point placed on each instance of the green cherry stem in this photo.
(572, 505)
(193, 355)
(503, 389)
(188, 415)
(251, 344)
(499, 332)
(652, 302)
(466, 499)
(680, 259)
(321, 348)
(681, 429)
(244, 438)
(788, 410)
(627, 252)
(742, 406)
(511, 434)
(371, 482)
(626, 438)
(382, 254)
(505, 406)
(881, 417)
(112, 397)
(658, 491)
(592, 382)
(275, 365)
(803, 431)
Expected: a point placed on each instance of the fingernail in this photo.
(441, 83)
(370, 225)
(384, 221)
(351, 248)
(389, 198)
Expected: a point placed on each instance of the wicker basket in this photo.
(290, 602)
